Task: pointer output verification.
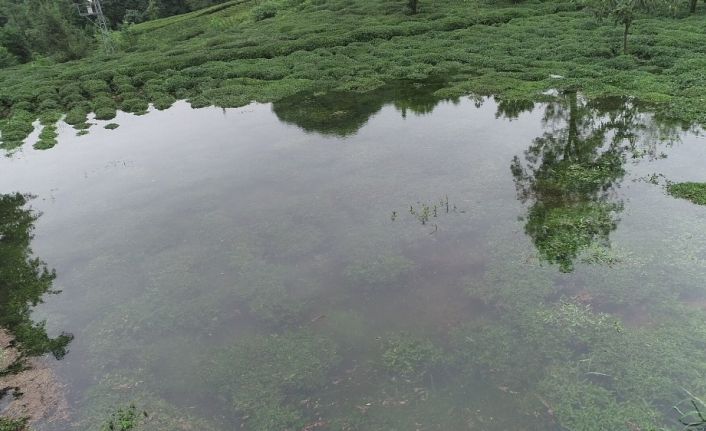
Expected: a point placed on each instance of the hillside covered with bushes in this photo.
(239, 51)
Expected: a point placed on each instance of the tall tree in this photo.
(624, 12)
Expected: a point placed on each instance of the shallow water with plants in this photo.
(390, 260)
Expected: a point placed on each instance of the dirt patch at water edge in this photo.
(33, 393)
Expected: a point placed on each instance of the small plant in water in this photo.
(424, 212)
(410, 357)
(695, 192)
(124, 419)
(695, 418)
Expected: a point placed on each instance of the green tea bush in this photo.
(263, 11)
(410, 357)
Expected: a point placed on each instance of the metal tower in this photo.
(93, 11)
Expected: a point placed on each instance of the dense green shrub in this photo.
(264, 10)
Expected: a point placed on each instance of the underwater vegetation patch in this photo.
(120, 402)
(409, 356)
(378, 272)
(266, 377)
(124, 419)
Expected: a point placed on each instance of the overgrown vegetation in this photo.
(233, 53)
(41, 29)
(7, 424)
(124, 419)
(266, 377)
(695, 192)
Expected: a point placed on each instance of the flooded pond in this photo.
(386, 261)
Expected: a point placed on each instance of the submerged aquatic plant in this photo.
(693, 419)
(124, 419)
(409, 356)
(258, 374)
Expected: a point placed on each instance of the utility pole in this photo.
(93, 11)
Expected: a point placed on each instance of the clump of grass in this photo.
(7, 424)
(124, 419)
(111, 126)
(239, 53)
(695, 192)
(410, 357)
(263, 11)
(257, 373)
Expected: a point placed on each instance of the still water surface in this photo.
(374, 262)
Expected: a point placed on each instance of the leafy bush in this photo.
(264, 11)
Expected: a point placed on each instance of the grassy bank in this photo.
(241, 51)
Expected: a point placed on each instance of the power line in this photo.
(93, 11)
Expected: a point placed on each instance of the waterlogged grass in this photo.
(695, 192)
(410, 357)
(267, 377)
(119, 401)
(124, 419)
(242, 51)
(7, 424)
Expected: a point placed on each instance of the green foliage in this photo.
(220, 56)
(264, 10)
(47, 138)
(124, 419)
(24, 280)
(105, 112)
(16, 128)
(134, 105)
(409, 357)
(258, 374)
(112, 126)
(625, 12)
(695, 192)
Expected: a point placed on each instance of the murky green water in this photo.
(375, 262)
